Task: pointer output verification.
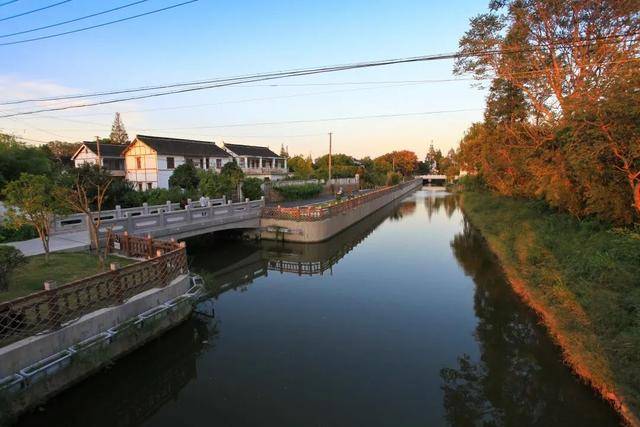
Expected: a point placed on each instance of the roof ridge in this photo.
(178, 139)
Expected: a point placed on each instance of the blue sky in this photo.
(209, 39)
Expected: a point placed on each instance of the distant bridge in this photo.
(433, 179)
(169, 219)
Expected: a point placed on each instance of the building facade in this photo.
(258, 162)
(151, 160)
(109, 156)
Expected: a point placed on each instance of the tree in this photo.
(185, 176)
(251, 188)
(284, 152)
(342, 166)
(403, 161)
(118, 133)
(10, 259)
(214, 185)
(561, 121)
(31, 202)
(232, 172)
(61, 152)
(301, 167)
(85, 189)
(16, 158)
(433, 159)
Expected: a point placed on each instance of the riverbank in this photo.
(583, 279)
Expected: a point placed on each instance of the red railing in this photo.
(318, 213)
(49, 310)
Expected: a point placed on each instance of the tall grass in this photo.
(583, 277)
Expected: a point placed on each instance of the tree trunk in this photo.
(95, 238)
(636, 196)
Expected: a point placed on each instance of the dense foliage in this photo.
(299, 192)
(10, 259)
(185, 176)
(251, 188)
(562, 120)
(17, 158)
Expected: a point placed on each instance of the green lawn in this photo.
(583, 277)
(62, 268)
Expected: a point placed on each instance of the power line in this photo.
(330, 119)
(236, 78)
(8, 2)
(267, 76)
(97, 25)
(34, 10)
(72, 20)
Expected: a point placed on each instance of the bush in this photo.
(185, 176)
(26, 232)
(299, 192)
(472, 183)
(10, 259)
(393, 178)
(251, 188)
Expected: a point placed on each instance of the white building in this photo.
(258, 162)
(109, 156)
(150, 160)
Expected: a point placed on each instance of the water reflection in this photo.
(517, 379)
(403, 319)
(246, 261)
(137, 386)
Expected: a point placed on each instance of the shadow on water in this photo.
(136, 386)
(518, 379)
(416, 327)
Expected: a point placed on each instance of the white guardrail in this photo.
(145, 218)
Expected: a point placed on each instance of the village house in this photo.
(258, 162)
(109, 156)
(151, 160)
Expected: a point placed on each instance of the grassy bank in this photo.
(583, 278)
(62, 268)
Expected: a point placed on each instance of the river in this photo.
(405, 319)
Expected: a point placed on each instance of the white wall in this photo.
(85, 156)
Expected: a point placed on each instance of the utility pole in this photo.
(330, 137)
(98, 150)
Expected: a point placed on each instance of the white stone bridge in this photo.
(169, 220)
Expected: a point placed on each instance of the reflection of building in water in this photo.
(137, 386)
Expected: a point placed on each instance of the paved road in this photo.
(67, 242)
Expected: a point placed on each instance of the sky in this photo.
(212, 39)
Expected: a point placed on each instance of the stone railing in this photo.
(49, 310)
(318, 213)
(192, 215)
(265, 171)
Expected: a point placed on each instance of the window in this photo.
(149, 186)
(139, 186)
(171, 163)
(207, 163)
(201, 163)
(218, 163)
(139, 162)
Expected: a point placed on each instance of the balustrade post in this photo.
(169, 206)
(145, 208)
(118, 212)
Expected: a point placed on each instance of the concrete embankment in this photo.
(38, 367)
(319, 224)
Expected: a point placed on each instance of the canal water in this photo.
(405, 319)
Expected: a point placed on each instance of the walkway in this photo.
(75, 241)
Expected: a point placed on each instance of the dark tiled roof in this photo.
(250, 150)
(182, 147)
(106, 150)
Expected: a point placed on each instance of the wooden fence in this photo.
(48, 310)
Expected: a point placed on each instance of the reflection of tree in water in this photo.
(519, 379)
(433, 204)
(404, 209)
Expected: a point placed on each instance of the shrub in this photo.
(9, 234)
(251, 188)
(10, 259)
(298, 192)
(393, 178)
(185, 176)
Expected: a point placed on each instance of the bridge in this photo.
(168, 220)
(438, 180)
